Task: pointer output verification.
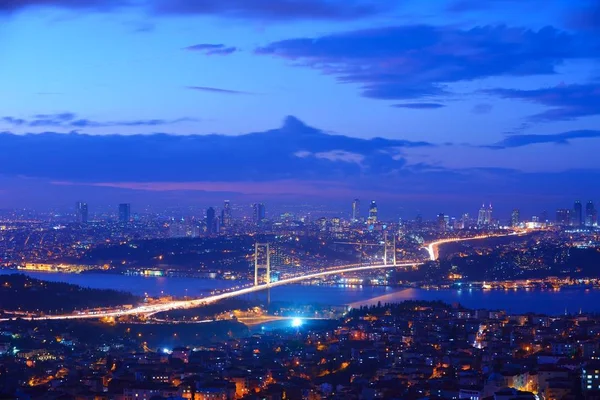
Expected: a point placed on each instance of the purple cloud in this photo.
(482, 108)
(70, 120)
(217, 90)
(569, 102)
(477, 5)
(273, 9)
(408, 62)
(15, 5)
(586, 18)
(559, 138)
(420, 106)
(212, 49)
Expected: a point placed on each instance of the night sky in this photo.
(435, 106)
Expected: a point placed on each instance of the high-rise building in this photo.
(419, 220)
(124, 213)
(441, 222)
(373, 212)
(226, 214)
(590, 214)
(81, 210)
(465, 220)
(481, 216)
(544, 217)
(356, 210)
(259, 213)
(515, 218)
(577, 216)
(211, 223)
(563, 216)
(484, 217)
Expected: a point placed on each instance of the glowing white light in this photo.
(296, 322)
(166, 351)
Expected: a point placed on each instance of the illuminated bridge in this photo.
(149, 309)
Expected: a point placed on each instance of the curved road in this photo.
(432, 249)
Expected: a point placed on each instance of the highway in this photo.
(183, 304)
(432, 248)
(150, 309)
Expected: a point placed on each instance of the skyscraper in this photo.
(211, 223)
(515, 218)
(577, 216)
(563, 216)
(590, 214)
(81, 210)
(355, 210)
(484, 218)
(544, 217)
(373, 212)
(441, 222)
(226, 214)
(481, 216)
(124, 213)
(259, 213)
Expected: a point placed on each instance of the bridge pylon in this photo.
(389, 249)
(262, 265)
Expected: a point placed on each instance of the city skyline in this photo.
(426, 106)
(224, 217)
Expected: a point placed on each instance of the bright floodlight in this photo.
(296, 322)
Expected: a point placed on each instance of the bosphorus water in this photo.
(516, 301)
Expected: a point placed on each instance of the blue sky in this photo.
(473, 101)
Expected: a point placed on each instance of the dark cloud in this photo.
(586, 17)
(273, 9)
(104, 5)
(408, 62)
(482, 108)
(292, 162)
(294, 151)
(569, 102)
(217, 90)
(70, 120)
(13, 121)
(212, 49)
(267, 10)
(564, 138)
(420, 106)
(479, 5)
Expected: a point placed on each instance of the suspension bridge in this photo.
(389, 261)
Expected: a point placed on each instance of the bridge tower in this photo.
(262, 265)
(389, 249)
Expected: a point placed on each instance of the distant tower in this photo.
(226, 214)
(563, 216)
(373, 212)
(488, 215)
(441, 222)
(124, 213)
(356, 210)
(211, 223)
(577, 214)
(259, 213)
(481, 216)
(81, 210)
(515, 218)
(590, 214)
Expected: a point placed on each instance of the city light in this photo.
(296, 322)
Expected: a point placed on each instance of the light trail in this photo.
(185, 304)
(433, 251)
